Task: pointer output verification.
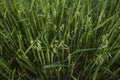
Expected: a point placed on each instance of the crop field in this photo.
(59, 39)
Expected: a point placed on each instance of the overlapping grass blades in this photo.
(59, 39)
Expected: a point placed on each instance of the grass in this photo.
(59, 39)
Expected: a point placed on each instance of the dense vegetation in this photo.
(59, 39)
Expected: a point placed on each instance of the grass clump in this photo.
(60, 39)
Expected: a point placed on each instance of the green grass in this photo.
(59, 39)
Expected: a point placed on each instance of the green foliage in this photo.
(59, 39)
